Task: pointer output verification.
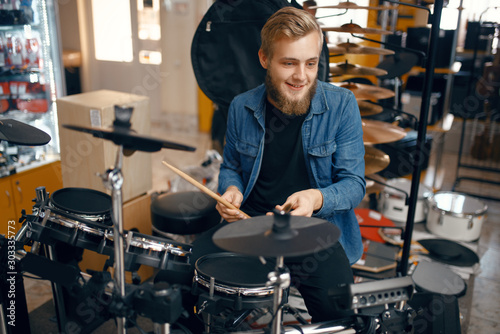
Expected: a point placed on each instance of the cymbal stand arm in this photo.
(392, 187)
(401, 48)
(113, 180)
(280, 279)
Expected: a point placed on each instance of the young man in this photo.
(298, 141)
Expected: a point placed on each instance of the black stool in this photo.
(183, 213)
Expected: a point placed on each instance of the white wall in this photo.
(171, 86)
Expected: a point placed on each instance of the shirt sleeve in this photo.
(348, 185)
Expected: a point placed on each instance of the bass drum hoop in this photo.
(248, 290)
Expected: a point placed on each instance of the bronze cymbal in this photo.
(350, 5)
(375, 160)
(356, 29)
(366, 92)
(352, 48)
(378, 132)
(346, 68)
(369, 109)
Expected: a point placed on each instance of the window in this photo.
(112, 30)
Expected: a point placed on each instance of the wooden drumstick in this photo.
(204, 189)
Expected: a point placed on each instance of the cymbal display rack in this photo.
(434, 20)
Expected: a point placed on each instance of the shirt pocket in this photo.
(322, 160)
(248, 153)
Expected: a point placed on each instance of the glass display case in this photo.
(31, 78)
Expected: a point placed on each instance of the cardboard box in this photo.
(84, 156)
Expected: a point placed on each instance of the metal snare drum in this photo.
(456, 216)
(238, 281)
(392, 201)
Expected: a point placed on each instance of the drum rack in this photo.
(430, 64)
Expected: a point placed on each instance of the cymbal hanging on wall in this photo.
(354, 28)
(378, 132)
(366, 92)
(375, 160)
(369, 109)
(353, 48)
(373, 187)
(346, 68)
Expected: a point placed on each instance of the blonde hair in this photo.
(288, 22)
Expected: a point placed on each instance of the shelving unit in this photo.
(479, 150)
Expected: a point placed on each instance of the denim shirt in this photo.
(332, 137)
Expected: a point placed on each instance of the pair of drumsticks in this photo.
(203, 188)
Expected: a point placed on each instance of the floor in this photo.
(485, 307)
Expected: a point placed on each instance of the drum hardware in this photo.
(127, 141)
(19, 133)
(352, 5)
(346, 68)
(401, 62)
(374, 184)
(159, 302)
(353, 48)
(364, 91)
(278, 236)
(380, 307)
(36, 245)
(385, 184)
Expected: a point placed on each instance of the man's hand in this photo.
(234, 196)
(302, 203)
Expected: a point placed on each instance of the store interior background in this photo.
(179, 111)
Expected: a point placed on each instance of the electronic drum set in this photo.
(93, 220)
(96, 224)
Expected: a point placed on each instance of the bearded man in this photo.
(297, 142)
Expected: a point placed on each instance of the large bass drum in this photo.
(392, 202)
(456, 216)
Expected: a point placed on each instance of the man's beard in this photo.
(286, 105)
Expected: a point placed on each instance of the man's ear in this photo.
(263, 59)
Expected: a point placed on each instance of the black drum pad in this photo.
(450, 252)
(234, 269)
(437, 278)
(82, 201)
